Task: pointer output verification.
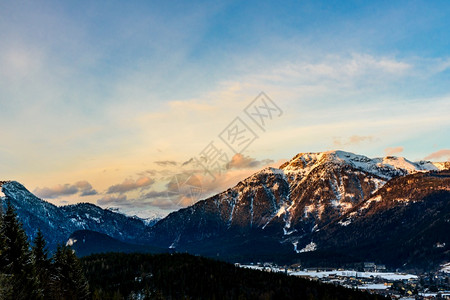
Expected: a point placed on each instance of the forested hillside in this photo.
(28, 272)
(183, 276)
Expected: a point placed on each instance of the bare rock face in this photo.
(285, 206)
(332, 206)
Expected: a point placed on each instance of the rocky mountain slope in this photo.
(279, 211)
(309, 191)
(58, 223)
(319, 208)
(406, 223)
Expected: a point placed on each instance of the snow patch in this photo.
(439, 245)
(308, 209)
(281, 210)
(277, 171)
(295, 246)
(71, 242)
(445, 268)
(345, 223)
(308, 248)
(369, 202)
(401, 199)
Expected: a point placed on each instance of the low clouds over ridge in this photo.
(170, 188)
(157, 199)
(112, 200)
(443, 154)
(393, 150)
(164, 163)
(239, 161)
(130, 185)
(353, 140)
(190, 184)
(83, 188)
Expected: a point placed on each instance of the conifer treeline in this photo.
(27, 271)
(182, 276)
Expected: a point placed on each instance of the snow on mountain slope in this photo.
(284, 205)
(385, 168)
(446, 268)
(57, 223)
(303, 195)
(442, 165)
(300, 198)
(406, 221)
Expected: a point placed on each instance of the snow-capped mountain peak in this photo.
(385, 167)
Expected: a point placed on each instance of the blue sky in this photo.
(104, 93)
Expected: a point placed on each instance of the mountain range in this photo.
(329, 208)
(57, 223)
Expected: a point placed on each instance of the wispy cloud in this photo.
(130, 185)
(353, 140)
(443, 154)
(83, 188)
(152, 199)
(109, 200)
(190, 185)
(393, 150)
(239, 161)
(155, 194)
(165, 163)
(56, 191)
(151, 90)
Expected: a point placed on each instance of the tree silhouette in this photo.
(42, 264)
(68, 281)
(16, 260)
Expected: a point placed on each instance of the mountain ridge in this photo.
(275, 213)
(280, 208)
(290, 174)
(59, 222)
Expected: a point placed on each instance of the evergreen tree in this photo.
(16, 260)
(29, 273)
(68, 281)
(2, 244)
(5, 280)
(42, 264)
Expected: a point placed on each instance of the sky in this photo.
(149, 106)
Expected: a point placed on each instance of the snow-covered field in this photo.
(443, 294)
(345, 273)
(386, 276)
(375, 286)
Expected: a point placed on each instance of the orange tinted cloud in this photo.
(130, 184)
(239, 161)
(393, 150)
(441, 154)
(353, 140)
(82, 187)
(112, 200)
